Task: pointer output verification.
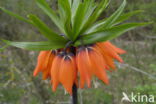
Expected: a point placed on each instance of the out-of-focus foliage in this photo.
(17, 86)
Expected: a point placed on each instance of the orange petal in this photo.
(109, 51)
(82, 75)
(40, 62)
(97, 65)
(88, 66)
(116, 49)
(101, 52)
(108, 60)
(47, 72)
(76, 71)
(46, 60)
(85, 75)
(55, 71)
(67, 73)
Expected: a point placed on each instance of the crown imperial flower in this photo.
(84, 50)
(65, 66)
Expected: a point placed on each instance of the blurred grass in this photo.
(17, 86)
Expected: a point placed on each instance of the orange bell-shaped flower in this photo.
(63, 66)
(64, 71)
(90, 62)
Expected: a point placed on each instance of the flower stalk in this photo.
(74, 87)
(75, 94)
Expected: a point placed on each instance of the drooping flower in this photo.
(65, 66)
(44, 63)
(95, 60)
(64, 71)
(90, 62)
(109, 53)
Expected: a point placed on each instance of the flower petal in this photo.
(116, 49)
(40, 62)
(83, 68)
(55, 71)
(47, 72)
(97, 65)
(108, 60)
(67, 73)
(109, 51)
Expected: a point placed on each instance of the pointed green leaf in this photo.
(83, 12)
(62, 12)
(35, 46)
(64, 9)
(108, 34)
(94, 27)
(70, 2)
(46, 8)
(126, 16)
(15, 15)
(68, 29)
(78, 19)
(65, 16)
(74, 7)
(122, 18)
(106, 23)
(101, 7)
(91, 7)
(45, 30)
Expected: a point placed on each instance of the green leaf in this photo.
(126, 16)
(46, 8)
(68, 29)
(106, 23)
(83, 12)
(91, 7)
(36, 46)
(15, 15)
(70, 2)
(108, 34)
(78, 19)
(62, 12)
(45, 30)
(101, 7)
(65, 16)
(64, 9)
(74, 7)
